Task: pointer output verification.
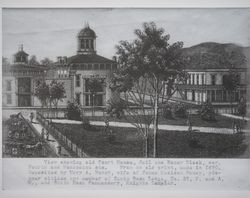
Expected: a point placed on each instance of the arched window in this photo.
(87, 44)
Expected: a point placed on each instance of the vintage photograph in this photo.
(125, 83)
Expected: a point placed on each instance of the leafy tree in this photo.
(180, 110)
(231, 83)
(242, 108)
(57, 92)
(148, 66)
(42, 92)
(33, 61)
(73, 111)
(46, 62)
(5, 61)
(207, 112)
(49, 94)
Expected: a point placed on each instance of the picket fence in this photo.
(54, 131)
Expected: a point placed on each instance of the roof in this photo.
(89, 58)
(211, 55)
(20, 67)
(21, 53)
(87, 32)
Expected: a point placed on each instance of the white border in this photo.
(128, 3)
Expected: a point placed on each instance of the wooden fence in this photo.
(54, 131)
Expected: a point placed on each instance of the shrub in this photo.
(207, 112)
(115, 107)
(167, 111)
(73, 111)
(86, 124)
(242, 108)
(180, 111)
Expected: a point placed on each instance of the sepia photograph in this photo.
(125, 83)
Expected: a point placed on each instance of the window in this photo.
(78, 98)
(197, 79)
(202, 79)
(193, 95)
(213, 79)
(78, 80)
(102, 66)
(91, 44)
(87, 44)
(96, 67)
(224, 96)
(89, 66)
(212, 95)
(82, 44)
(9, 99)
(8, 85)
(189, 79)
(108, 67)
(193, 79)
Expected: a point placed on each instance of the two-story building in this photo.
(77, 72)
(206, 71)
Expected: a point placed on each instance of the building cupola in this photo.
(86, 41)
(21, 57)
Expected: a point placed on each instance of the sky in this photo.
(53, 32)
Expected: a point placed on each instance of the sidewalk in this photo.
(235, 117)
(52, 142)
(160, 126)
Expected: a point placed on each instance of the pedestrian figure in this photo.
(47, 135)
(59, 149)
(111, 136)
(42, 134)
(234, 127)
(31, 117)
(106, 127)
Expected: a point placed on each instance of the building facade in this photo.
(19, 81)
(78, 73)
(206, 74)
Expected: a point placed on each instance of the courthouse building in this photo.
(20, 79)
(83, 67)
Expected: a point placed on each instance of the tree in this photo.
(207, 112)
(5, 61)
(94, 85)
(231, 83)
(232, 59)
(49, 94)
(242, 108)
(57, 92)
(46, 62)
(33, 61)
(73, 111)
(42, 92)
(148, 66)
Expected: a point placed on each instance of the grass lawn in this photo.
(221, 121)
(169, 143)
